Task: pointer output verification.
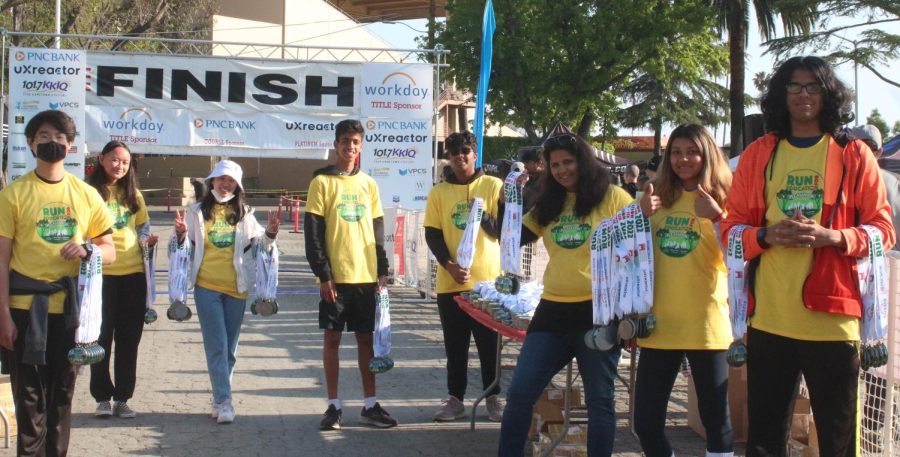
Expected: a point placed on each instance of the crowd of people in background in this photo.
(802, 204)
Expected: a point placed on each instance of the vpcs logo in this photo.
(413, 171)
(395, 199)
(20, 56)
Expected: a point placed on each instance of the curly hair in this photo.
(457, 140)
(837, 100)
(593, 181)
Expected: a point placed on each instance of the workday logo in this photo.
(398, 84)
(134, 119)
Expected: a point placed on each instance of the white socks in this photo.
(336, 402)
(370, 402)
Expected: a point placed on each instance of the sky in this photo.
(873, 92)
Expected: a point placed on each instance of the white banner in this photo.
(42, 79)
(397, 91)
(397, 154)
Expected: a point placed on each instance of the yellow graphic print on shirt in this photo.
(350, 208)
(55, 223)
(120, 213)
(570, 232)
(804, 190)
(460, 216)
(678, 235)
(221, 234)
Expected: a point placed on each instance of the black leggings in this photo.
(458, 330)
(124, 304)
(657, 369)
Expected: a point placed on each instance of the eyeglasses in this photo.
(465, 150)
(811, 88)
(560, 141)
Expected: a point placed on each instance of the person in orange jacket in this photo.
(805, 190)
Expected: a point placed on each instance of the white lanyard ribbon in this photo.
(465, 253)
(149, 253)
(382, 338)
(737, 284)
(266, 272)
(90, 298)
(179, 269)
(621, 266)
(873, 288)
(511, 233)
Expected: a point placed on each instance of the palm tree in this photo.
(734, 20)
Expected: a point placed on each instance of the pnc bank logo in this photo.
(20, 56)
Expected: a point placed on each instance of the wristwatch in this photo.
(88, 250)
(761, 238)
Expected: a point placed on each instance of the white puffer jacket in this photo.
(247, 233)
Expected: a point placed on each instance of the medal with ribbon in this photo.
(465, 252)
(382, 339)
(510, 236)
(148, 254)
(266, 280)
(179, 269)
(737, 295)
(90, 311)
(873, 288)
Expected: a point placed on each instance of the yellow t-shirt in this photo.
(217, 268)
(447, 210)
(41, 218)
(690, 289)
(348, 204)
(567, 278)
(129, 259)
(797, 182)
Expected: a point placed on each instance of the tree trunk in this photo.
(657, 136)
(737, 36)
(584, 126)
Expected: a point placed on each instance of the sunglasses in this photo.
(811, 88)
(465, 150)
(560, 141)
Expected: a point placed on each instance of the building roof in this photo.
(389, 10)
(635, 143)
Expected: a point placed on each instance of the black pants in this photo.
(458, 330)
(43, 393)
(124, 304)
(656, 374)
(831, 370)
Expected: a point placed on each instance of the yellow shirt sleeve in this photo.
(315, 199)
(142, 216)
(433, 208)
(8, 214)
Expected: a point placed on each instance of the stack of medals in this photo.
(621, 279)
(382, 339)
(465, 252)
(148, 253)
(873, 287)
(266, 281)
(737, 295)
(179, 269)
(510, 236)
(90, 311)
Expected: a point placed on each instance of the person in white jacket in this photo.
(224, 234)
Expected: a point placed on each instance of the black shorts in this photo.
(355, 307)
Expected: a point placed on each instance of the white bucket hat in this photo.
(228, 168)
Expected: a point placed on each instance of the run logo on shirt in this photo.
(350, 209)
(460, 216)
(221, 233)
(678, 237)
(803, 190)
(56, 224)
(121, 217)
(570, 232)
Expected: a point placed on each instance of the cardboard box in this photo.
(737, 403)
(550, 407)
(562, 450)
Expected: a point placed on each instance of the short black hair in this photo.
(457, 140)
(348, 126)
(837, 100)
(58, 119)
(530, 154)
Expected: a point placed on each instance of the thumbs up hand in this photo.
(705, 206)
(650, 203)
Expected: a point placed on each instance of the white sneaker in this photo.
(226, 413)
(451, 410)
(494, 407)
(124, 411)
(215, 410)
(104, 409)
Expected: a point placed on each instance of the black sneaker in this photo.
(377, 416)
(332, 420)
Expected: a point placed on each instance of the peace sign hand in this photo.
(705, 206)
(180, 224)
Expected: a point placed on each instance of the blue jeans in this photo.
(543, 354)
(221, 316)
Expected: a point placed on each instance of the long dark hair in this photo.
(128, 183)
(593, 180)
(837, 100)
(237, 204)
(714, 178)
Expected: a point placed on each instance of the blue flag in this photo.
(488, 26)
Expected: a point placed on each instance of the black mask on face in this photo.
(51, 152)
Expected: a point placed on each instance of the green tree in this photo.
(673, 88)
(896, 130)
(875, 119)
(873, 46)
(554, 61)
(734, 20)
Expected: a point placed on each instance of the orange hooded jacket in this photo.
(854, 196)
